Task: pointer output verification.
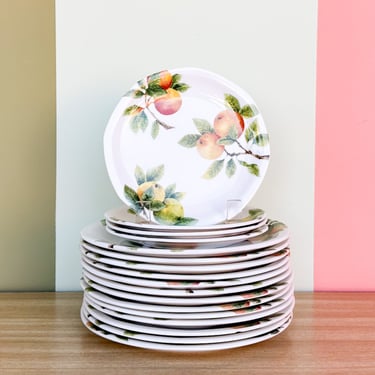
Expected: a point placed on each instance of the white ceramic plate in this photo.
(227, 310)
(121, 266)
(96, 234)
(195, 327)
(166, 319)
(131, 341)
(283, 267)
(181, 301)
(188, 234)
(255, 292)
(188, 285)
(174, 277)
(187, 242)
(121, 216)
(184, 261)
(189, 139)
(257, 329)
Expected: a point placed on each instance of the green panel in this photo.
(27, 145)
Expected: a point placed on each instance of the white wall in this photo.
(265, 46)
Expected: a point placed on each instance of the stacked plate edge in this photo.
(184, 289)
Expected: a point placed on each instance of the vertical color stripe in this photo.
(27, 145)
(345, 152)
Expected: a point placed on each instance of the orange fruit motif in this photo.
(165, 79)
(225, 120)
(169, 103)
(207, 146)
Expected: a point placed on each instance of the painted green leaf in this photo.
(225, 141)
(139, 121)
(155, 129)
(135, 93)
(261, 139)
(203, 126)
(230, 169)
(155, 174)
(142, 83)
(132, 198)
(249, 134)
(153, 77)
(232, 133)
(148, 195)
(186, 221)
(156, 205)
(214, 169)
(254, 213)
(176, 78)
(143, 121)
(233, 102)
(247, 111)
(129, 333)
(254, 126)
(276, 226)
(178, 195)
(139, 175)
(181, 87)
(154, 90)
(189, 140)
(131, 211)
(132, 110)
(254, 109)
(252, 168)
(169, 190)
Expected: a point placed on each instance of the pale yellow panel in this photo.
(27, 145)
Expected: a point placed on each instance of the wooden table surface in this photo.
(331, 333)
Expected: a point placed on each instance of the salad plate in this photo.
(180, 117)
(97, 235)
(187, 242)
(122, 216)
(185, 235)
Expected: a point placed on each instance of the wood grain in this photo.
(331, 333)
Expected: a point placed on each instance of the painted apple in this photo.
(227, 119)
(172, 211)
(162, 78)
(151, 189)
(165, 79)
(169, 103)
(207, 146)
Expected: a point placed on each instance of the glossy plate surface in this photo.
(186, 147)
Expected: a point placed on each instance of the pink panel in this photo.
(345, 147)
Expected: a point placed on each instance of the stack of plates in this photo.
(206, 295)
(186, 264)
